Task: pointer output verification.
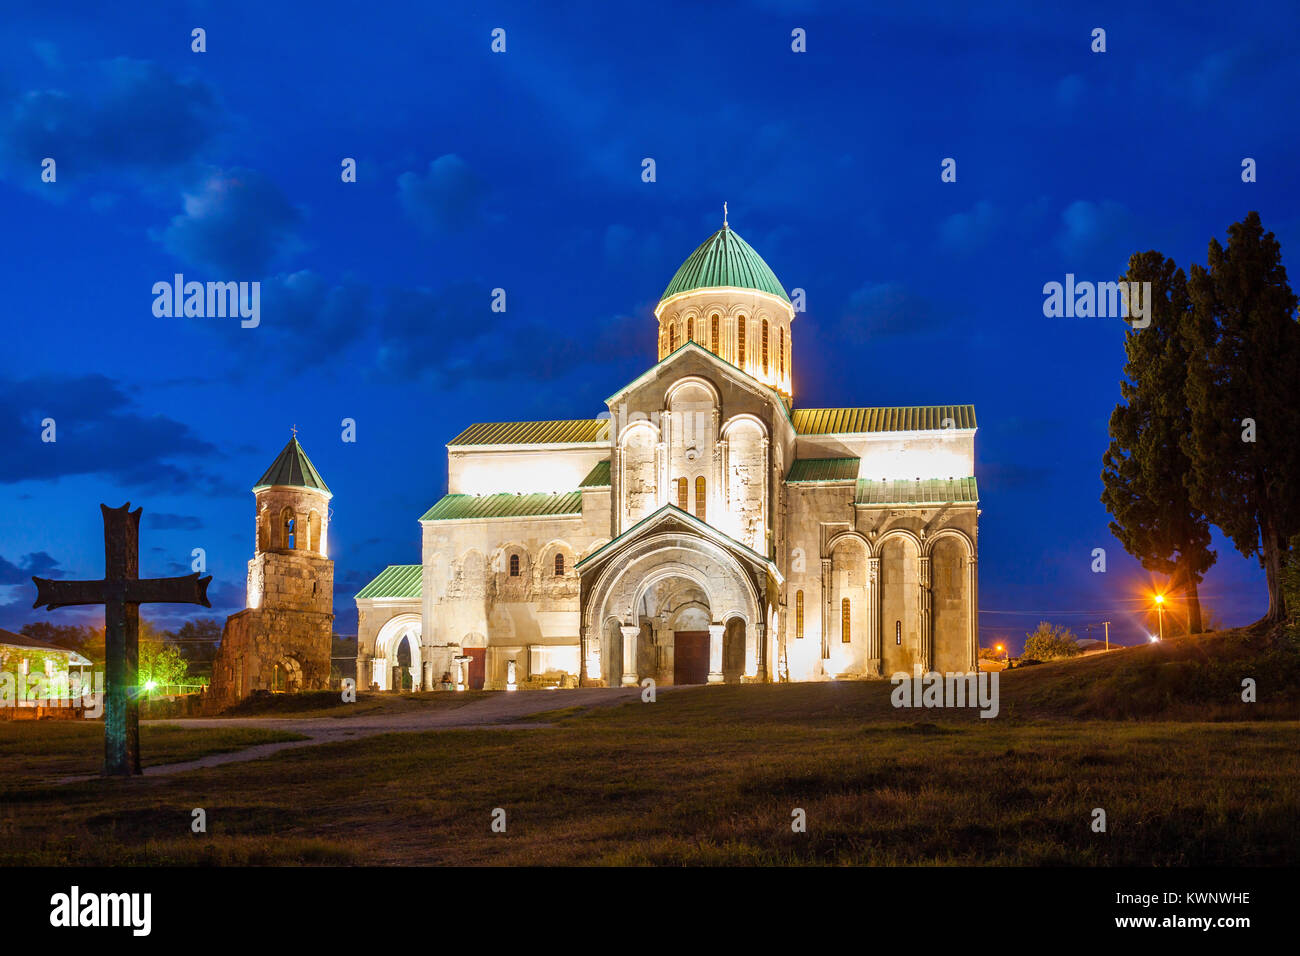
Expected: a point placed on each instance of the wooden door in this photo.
(477, 666)
(690, 657)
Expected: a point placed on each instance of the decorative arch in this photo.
(907, 533)
(544, 570)
(744, 417)
(686, 380)
(933, 539)
(637, 423)
(839, 538)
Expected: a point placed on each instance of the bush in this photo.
(1049, 642)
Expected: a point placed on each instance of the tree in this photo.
(161, 663)
(72, 636)
(1048, 642)
(197, 640)
(1145, 468)
(1244, 352)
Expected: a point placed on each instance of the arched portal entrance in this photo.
(675, 607)
(397, 663)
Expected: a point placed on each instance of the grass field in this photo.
(37, 754)
(712, 776)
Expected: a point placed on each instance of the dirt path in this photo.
(501, 711)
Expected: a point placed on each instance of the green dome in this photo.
(725, 260)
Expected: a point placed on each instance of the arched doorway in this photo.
(397, 663)
(286, 676)
(402, 677)
(665, 596)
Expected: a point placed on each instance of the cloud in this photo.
(448, 198)
(964, 232)
(38, 563)
(236, 222)
(97, 432)
(1088, 226)
(880, 309)
(119, 115)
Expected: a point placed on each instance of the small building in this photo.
(38, 669)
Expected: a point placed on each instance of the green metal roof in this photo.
(505, 505)
(598, 477)
(292, 467)
(824, 469)
(395, 581)
(910, 418)
(931, 491)
(567, 432)
(724, 260)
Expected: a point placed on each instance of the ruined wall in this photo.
(292, 626)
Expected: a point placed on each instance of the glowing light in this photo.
(1154, 639)
(150, 684)
(1160, 599)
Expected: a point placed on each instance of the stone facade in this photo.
(703, 529)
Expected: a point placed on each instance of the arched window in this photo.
(780, 352)
(672, 338)
(713, 334)
(690, 330)
(514, 565)
(740, 341)
(798, 615)
(765, 346)
(681, 494)
(559, 565)
(846, 634)
(700, 497)
(286, 529)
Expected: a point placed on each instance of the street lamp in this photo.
(1160, 613)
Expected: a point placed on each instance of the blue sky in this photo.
(522, 170)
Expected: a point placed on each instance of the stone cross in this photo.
(122, 592)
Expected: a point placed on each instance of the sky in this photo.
(523, 170)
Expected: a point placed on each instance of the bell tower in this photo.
(290, 566)
(280, 642)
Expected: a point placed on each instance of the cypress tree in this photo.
(1242, 376)
(1145, 467)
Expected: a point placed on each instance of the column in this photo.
(760, 645)
(630, 634)
(427, 683)
(826, 608)
(874, 650)
(590, 655)
(923, 614)
(715, 653)
(973, 604)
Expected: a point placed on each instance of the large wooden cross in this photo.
(122, 592)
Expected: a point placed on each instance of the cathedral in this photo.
(702, 529)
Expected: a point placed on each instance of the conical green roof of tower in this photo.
(292, 467)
